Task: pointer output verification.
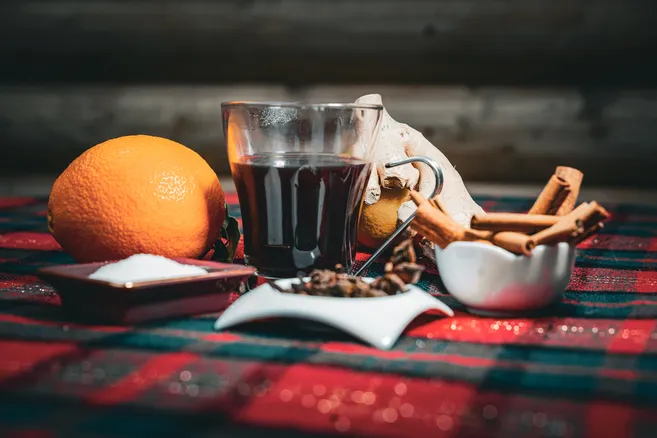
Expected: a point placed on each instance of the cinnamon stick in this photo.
(441, 229)
(438, 227)
(565, 229)
(433, 233)
(477, 235)
(506, 229)
(594, 214)
(574, 179)
(523, 223)
(586, 234)
(552, 197)
(516, 243)
(433, 224)
(441, 237)
(573, 225)
(439, 204)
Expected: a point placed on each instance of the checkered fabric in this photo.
(586, 367)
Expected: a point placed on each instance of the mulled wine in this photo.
(299, 211)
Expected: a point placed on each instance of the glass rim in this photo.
(302, 105)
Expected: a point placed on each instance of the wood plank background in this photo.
(508, 89)
(472, 42)
(490, 134)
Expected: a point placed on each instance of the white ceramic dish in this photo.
(377, 321)
(492, 281)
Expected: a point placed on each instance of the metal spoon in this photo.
(436, 190)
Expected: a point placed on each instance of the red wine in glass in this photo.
(299, 211)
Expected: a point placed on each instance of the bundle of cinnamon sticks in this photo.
(552, 219)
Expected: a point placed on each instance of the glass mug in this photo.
(300, 171)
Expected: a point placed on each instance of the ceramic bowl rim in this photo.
(539, 250)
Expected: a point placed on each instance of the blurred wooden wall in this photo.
(507, 89)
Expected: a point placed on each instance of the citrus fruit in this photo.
(379, 220)
(136, 194)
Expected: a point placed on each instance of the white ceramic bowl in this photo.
(492, 281)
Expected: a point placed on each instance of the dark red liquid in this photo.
(299, 211)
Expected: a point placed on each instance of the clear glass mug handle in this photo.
(436, 190)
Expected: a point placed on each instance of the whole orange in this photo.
(136, 194)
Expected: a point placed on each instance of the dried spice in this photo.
(552, 219)
(400, 271)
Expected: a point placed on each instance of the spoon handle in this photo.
(436, 190)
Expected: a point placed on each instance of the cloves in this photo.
(400, 270)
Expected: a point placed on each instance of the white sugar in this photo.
(145, 267)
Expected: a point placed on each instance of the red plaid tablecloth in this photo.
(586, 368)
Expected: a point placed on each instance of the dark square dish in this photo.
(102, 302)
